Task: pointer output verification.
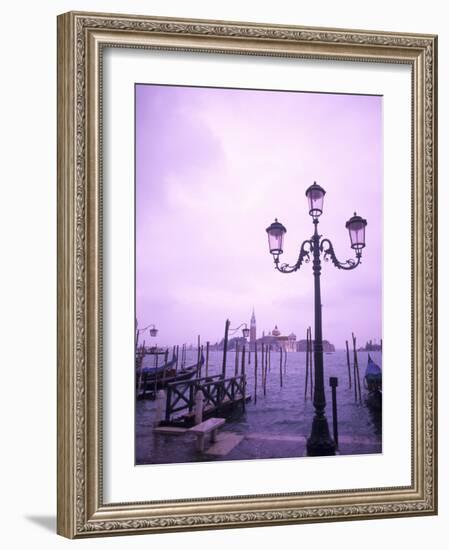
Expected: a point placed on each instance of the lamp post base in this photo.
(320, 442)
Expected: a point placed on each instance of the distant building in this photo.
(301, 345)
(277, 341)
(239, 341)
(372, 346)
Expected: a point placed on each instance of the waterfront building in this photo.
(301, 345)
(278, 341)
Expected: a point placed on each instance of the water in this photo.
(279, 423)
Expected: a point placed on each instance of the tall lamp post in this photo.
(228, 329)
(245, 330)
(319, 442)
(153, 332)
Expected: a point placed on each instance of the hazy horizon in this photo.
(214, 167)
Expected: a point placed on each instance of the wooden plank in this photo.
(208, 425)
(170, 430)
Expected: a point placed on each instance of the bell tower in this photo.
(252, 332)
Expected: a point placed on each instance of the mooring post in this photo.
(312, 357)
(349, 364)
(264, 370)
(198, 356)
(167, 403)
(244, 377)
(333, 382)
(165, 363)
(262, 375)
(280, 366)
(199, 362)
(199, 404)
(225, 348)
(207, 359)
(236, 367)
(307, 364)
(356, 370)
(255, 373)
(155, 374)
(161, 404)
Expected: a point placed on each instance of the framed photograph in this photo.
(214, 369)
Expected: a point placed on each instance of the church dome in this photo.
(276, 331)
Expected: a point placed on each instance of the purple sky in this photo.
(214, 167)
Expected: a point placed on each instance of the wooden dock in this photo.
(220, 398)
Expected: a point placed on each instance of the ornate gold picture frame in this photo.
(82, 40)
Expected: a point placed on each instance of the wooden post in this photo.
(349, 364)
(199, 404)
(356, 370)
(255, 373)
(333, 382)
(264, 370)
(165, 363)
(312, 357)
(306, 383)
(167, 404)
(161, 398)
(225, 348)
(199, 362)
(280, 366)
(155, 374)
(244, 377)
(236, 368)
(198, 356)
(285, 362)
(207, 359)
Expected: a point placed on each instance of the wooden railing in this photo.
(216, 392)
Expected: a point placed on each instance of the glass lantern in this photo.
(315, 195)
(276, 233)
(356, 227)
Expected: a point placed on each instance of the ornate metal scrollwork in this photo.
(304, 256)
(327, 249)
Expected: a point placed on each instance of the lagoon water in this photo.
(279, 423)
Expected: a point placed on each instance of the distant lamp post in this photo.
(153, 331)
(319, 442)
(245, 330)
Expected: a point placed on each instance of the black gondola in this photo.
(151, 379)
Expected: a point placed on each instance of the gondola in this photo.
(373, 383)
(151, 379)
